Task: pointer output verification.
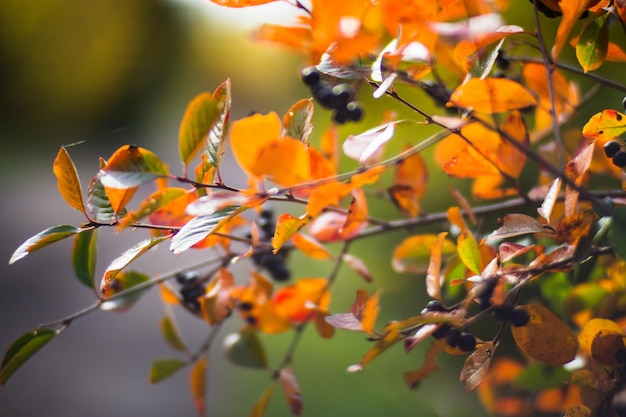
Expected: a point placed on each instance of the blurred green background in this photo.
(113, 73)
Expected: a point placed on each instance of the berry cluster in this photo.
(613, 150)
(465, 341)
(337, 98)
(516, 315)
(191, 289)
(263, 256)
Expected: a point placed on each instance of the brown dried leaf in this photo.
(476, 366)
(291, 389)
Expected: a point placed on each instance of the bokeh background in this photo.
(112, 73)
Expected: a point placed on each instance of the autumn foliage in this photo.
(534, 247)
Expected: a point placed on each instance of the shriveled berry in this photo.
(519, 317)
(611, 148)
(467, 342)
(619, 159)
(454, 337)
(433, 305)
(502, 312)
(311, 76)
(442, 331)
(354, 111)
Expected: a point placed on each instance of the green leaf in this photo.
(201, 114)
(84, 256)
(593, 43)
(215, 144)
(467, 248)
(126, 258)
(245, 349)
(163, 368)
(22, 349)
(67, 180)
(130, 166)
(538, 377)
(172, 334)
(298, 121)
(43, 239)
(99, 204)
(123, 282)
(617, 234)
(200, 227)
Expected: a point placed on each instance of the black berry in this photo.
(340, 116)
(611, 148)
(434, 305)
(467, 342)
(619, 159)
(502, 312)
(310, 76)
(519, 317)
(341, 94)
(354, 111)
(324, 95)
(454, 337)
(442, 331)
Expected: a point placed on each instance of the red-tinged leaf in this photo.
(214, 148)
(413, 254)
(241, 3)
(163, 368)
(130, 166)
(409, 185)
(172, 334)
(433, 273)
(516, 225)
(67, 180)
(200, 227)
(84, 255)
(22, 349)
(286, 227)
(415, 377)
(593, 43)
(537, 337)
(43, 239)
(291, 389)
(310, 247)
(197, 384)
(547, 205)
(259, 408)
(390, 336)
(298, 121)
(476, 366)
(358, 266)
(492, 95)
(367, 147)
(297, 303)
(126, 259)
(119, 198)
(217, 304)
(245, 349)
(509, 250)
(615, 53)
(577, 170)
(151, 204)
(572, 9)
(201, 114)
(329, 226)
(122, 282)
(606, 124)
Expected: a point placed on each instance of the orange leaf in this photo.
(328, 226)
(250, 135)
(325, 195)
(606, 124)
(409, 184)
(287, 226)
(197, 384)
(433, 274)
(476, 366)
(310, 247)
(119, 198)
(168, 296)
(284, 161)
(259, 408)
(370, 313)
(216, 304)
(357, 215)
(572, 9)
(68, 182)
(297, 38)
(297, 303)
(241, 3)
(413, 378)
(492, 95)
(390, 336)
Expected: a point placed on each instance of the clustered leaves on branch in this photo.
(545, 260)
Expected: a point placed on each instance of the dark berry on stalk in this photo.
(454, 337)
(620, 355)
(519, 317)
(619, 159)
(467, 342)
(433, 305)
(502, 312)
(324, 95)
(310, 76)
(611, 148)
(245, 306)
(340, 116)
(342, 94)
(442, 331)
(354, 111)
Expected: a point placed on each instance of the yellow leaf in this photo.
(287, 226)
(545, 337)
(250, 135)
(413, 254)
(167, 295)
(284, 161)
(572, 9)
(370, 313)
(390, 336)
(492, 95)
(259, 408)
(68, 182)
(606, 124)
(600, 339)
